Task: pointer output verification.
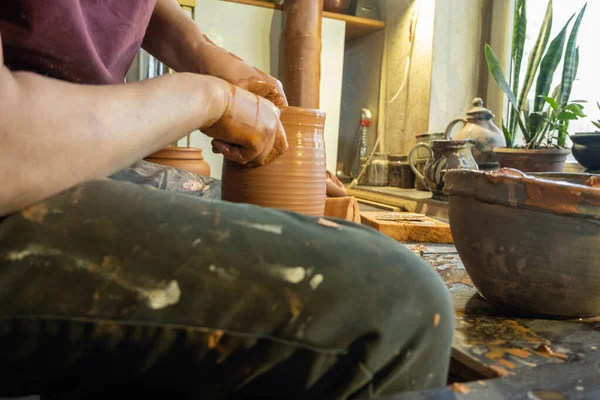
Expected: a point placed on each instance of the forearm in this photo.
(175, 39)
(56, 134)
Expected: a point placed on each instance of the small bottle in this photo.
(365, 124)
(361, 145)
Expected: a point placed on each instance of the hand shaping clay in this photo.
(294, 181)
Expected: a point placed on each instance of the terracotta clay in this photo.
(240, 141)
(296, 180)
(300, 52)
(185, 158)
(539, 160)
(529, 242)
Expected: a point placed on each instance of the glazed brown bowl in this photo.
(529, 242)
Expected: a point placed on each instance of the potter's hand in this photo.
(227, 66)
(335, 187)
(249, 130)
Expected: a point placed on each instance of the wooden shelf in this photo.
(187, 3)
(355, 26)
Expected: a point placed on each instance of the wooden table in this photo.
(499, 354)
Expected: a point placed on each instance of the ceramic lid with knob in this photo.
(479, 111)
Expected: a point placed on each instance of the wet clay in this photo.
(185, 158)
(300, 52)
(242, 142)
(294, 181)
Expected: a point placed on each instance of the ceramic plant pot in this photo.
(185, 158)
(586, 149)
(538, 160)
(529, 242)
(296, 180)
(336, 6)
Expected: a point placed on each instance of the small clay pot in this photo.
(336, 6)
(586, 149)
(538, 160)
(296, 180)
(529, 242)
(185, 158)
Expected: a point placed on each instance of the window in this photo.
(587, 85)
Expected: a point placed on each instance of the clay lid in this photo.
(478, 110)
(187, 153)
(567, 194)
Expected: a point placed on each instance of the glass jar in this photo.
(378, 170)
(395, 162)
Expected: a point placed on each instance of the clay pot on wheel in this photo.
(296, 180)
(186, 158)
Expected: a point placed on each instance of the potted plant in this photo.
(541, 145)
(586, 147)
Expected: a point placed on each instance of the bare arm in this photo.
(55, 134)
(176, 40)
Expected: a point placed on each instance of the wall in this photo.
(360, 89)
(447, 66)
(406, 111)
(458, 71)
(253, 34)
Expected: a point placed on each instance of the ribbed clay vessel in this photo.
(296, 180)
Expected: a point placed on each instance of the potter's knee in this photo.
(420, 291)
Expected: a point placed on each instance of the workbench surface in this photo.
(504, 355)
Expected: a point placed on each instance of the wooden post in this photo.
(300, 52)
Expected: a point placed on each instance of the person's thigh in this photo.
(112, 283)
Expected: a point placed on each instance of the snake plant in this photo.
(544, 125)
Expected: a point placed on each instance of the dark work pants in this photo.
(113, 288)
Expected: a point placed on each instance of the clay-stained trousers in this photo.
(116, 289)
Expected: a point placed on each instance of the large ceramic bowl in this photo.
(529, 242)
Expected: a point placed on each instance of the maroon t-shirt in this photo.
(85, 41)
